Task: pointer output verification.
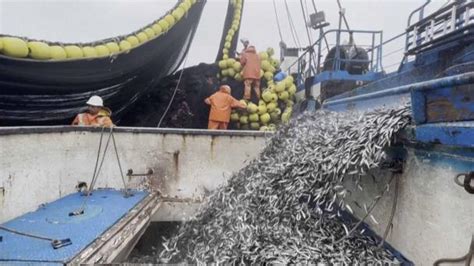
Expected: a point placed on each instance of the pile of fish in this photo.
(285, 206)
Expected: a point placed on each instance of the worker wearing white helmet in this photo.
(97, 115)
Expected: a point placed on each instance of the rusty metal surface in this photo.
(450, 104)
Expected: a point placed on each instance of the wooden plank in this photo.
(117, 242)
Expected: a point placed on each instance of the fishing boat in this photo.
(49, 215)
(433, 216)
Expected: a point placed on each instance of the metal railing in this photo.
(426, 32)
(310, 62)
(450, 19)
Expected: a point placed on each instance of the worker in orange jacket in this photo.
(250, 62)
(221, 104)
(245, 42)
(97, 115)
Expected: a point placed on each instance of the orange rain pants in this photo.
(248, 86)
(217, 125)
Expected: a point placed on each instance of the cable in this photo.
(278, 21)
(98, 156)
(394, 209)
(119, 164)
(174, 93)
(101, 162)
(314, 6)
(325, 39)
(96, 173)
(343, 15)
(393, 52)
(391, 65)
(467, 258)
(292, 26)
(305, 24)
(25, 234)
(369, 211)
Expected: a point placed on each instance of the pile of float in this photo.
(276, 100)
(17, 47)
(277, 97)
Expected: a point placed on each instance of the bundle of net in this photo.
(285, 205)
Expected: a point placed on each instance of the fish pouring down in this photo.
(285, 206)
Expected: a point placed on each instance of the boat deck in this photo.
(105, 209)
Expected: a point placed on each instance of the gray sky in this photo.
(89, 20)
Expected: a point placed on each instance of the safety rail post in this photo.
(372, 52)
(336, 65)
(318, 68)
(467, 15)
(379, 59)
(421, 15)
(453, 18)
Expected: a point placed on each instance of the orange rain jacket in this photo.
(221, 104)
(251, 63)
(101, 119)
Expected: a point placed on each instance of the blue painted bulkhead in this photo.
(437, 83)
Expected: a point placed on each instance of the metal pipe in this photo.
(380, 53)
(461, 79)
(387, 41)
(337, 64)
(372, 53)
(321, 33)
(422, 7)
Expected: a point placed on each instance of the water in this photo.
(286, 206)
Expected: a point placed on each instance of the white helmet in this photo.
(95, 101)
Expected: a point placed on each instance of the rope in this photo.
(372, 207)
(96, 173)
(98, 155)
(277, 21)
(119, 164)
(174, 93)
(26, 234)
(467, 258)
(292, 26)
(94, 180)
(394, 208)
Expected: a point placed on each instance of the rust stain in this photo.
(212, 146)
(176, 162)
(2, 195)
(448, 109)
(163, 141)
(441, 110)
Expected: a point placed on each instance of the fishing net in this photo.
(53, 92)
(227, 25)
(286, 205)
